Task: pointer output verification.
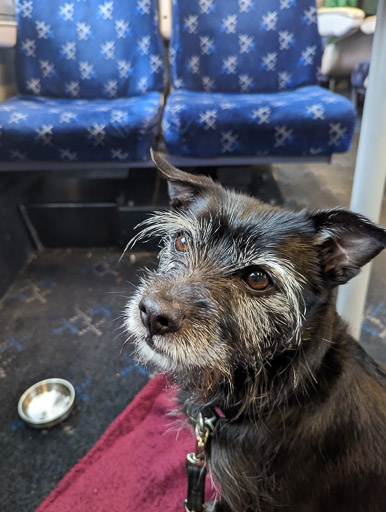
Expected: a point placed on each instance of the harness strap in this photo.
(196, 472)
(204, 421)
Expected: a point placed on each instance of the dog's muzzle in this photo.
(160, 315)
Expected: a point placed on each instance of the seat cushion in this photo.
(307, 121)
(47, 129)
(97, 48)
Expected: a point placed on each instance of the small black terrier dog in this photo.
(241, 313)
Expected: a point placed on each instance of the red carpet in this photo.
(137, 465)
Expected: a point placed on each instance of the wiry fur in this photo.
(306, 405)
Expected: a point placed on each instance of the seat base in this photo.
(41, 129)
(306, 122)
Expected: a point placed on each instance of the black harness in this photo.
(205, 420)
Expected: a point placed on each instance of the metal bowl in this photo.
(46, 403)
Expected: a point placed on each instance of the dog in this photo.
(241, 314)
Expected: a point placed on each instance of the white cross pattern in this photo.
(246, 43)
(69, 50)
(7, 108)
(145, 124)
(86, 70)
(207, 83)
(206, 45)
(47, 68)
(206, 6)
(33, 85)
(282, 135)
(230, 64)
(28, 46)
(229, 24)
(155, 63)
(308, 55)
(329, 99)
(316, 151)
(67, 117)
(44, 134)
(108, 50)
(284, 79)
(194, 64)
(208, 119)
(124, 68)
(269, 21)
(122, 28)
(191, 24)
(66, 11)
(111, 88)
(106, 10)
(176, 108)
(336, 132)
(73, 88)
(16, 117)
(377, 324)
(97, 134)
(42, 29)
(25, 8)
(16, 154)
(83, 30)
(144, 45)
(179, 83)
(310, 15)
(269, 61)
(286, 39)
(142, 84)
(118, 116)
(228, 141)
(245, 5)
(286, 4)
(143, 6)
(172, 56)
(119, 154)
(245, 82)
(67, 154)
(317, 111)
(227, 105)
(262, 115)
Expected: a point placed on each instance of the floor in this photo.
(63, 317)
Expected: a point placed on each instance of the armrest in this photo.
(8, 33)
(165, 18)
(339, 21)
(368, 25)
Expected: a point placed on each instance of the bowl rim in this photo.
(53, 380)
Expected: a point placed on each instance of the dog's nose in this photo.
(159, 316)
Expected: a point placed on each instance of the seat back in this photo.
(88, 49)
(244, 45)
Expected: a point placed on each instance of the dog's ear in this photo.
(346, 242)
(183, 187)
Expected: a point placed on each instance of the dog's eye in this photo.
(182, 243)
(257, 280)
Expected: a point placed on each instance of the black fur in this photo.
(306, 405)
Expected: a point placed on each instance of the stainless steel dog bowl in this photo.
(46, 403)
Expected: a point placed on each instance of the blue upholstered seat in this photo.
(307, 121)
(244, 76)
(359, 75)
(89, 75)
(61, 129)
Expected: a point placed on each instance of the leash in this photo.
(204, 421)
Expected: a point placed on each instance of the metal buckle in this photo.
(203, 428)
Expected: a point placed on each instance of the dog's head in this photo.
(238, 280)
